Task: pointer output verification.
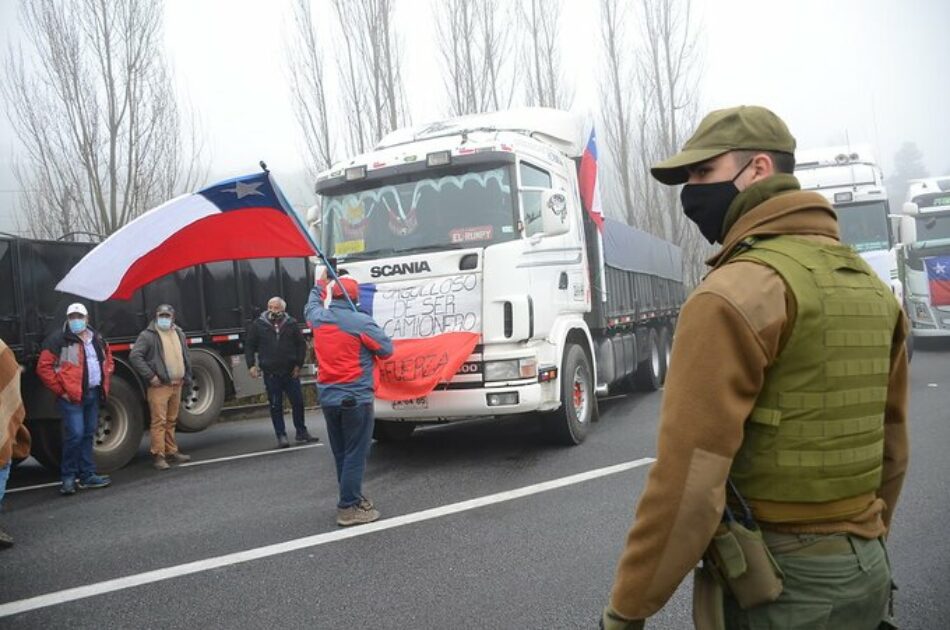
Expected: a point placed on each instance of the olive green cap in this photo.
(743, 128)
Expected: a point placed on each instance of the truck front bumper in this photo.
(458, 404)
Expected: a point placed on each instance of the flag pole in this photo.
(330, 270)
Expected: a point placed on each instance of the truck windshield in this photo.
(470, 208)
(864, 225)
(933, 227)
(831, 176)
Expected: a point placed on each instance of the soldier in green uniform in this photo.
(782, 443)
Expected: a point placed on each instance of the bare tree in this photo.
(369, 65)
(544, 83)
(103, 134)
(473, 38)
(615, 104)
(305, 57)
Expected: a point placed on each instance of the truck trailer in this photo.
(477, 224)
(213, 303)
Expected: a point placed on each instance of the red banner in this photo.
(418, 365)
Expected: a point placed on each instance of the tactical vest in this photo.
(816, 433)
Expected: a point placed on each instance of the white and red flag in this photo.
(588, 183)
(244, 217)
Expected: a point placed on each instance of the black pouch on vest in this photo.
(743, 560)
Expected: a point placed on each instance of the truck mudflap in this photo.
(442, 404)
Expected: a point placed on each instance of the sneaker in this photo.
(282, 441)
(160, 463)
(6, 540)
(305, 437)
(356, 514)
(94, 481)
(177, 458)
(366, 503)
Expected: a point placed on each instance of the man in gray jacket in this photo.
(160, 356)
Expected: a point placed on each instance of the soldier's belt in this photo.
(807, 544)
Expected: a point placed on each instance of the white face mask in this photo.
(164, 323)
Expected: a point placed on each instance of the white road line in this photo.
(276, 451)
(200, 462)
(168, 573)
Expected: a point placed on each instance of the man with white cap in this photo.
(76, 365)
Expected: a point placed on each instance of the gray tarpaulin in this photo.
(631, 249)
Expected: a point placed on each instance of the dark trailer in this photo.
(214, 303)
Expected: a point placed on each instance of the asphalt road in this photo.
(543, 558)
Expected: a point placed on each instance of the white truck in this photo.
(849, 178)
(476, 224)
(925, 233)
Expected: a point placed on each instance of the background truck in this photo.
(851, 180)
(925, 232)
(476, 224)
(213, 305)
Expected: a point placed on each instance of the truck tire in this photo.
(117, 438)
(47, 444)
(666, 348)
(121, 423)
(387, 432)
(569, 424)
(201, 407)
(649, 371)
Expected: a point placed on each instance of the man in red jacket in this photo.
(76, 365)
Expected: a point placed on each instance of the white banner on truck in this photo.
(419, 309)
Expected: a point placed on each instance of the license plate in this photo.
(415, 403)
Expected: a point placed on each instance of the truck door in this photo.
(555, 264)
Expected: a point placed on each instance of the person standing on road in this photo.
(345, 342)
(276, 347)
(782, 443)
(76, 365)
(160, 356)
(14, 438)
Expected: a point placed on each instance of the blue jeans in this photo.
(277, 385)
(350, 430)
(4, 475)
(79, 427)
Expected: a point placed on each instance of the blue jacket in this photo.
(345, 342)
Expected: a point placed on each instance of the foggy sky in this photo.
(870, 71)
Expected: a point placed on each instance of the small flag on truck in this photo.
(587, 181)
(938, 277)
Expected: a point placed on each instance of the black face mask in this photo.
(706, 204)
(275, 316)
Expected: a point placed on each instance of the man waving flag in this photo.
(244, 217)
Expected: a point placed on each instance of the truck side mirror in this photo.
(910, 209)
(907, 229)
(554, 213)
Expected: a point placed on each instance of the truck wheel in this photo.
(47, 444)
(666, 348)
(569, 424)
(202, 405)
(392, 431)
(649, 371)
(117, 437)
(121, 423)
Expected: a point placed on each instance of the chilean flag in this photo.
(938, 277)
(245, 217)
(587, 180)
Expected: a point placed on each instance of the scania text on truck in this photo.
(476, 224)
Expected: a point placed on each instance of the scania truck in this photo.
(925, 233)
(477, 224)
(850, 179)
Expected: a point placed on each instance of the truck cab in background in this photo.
(924, 232)
(850, 179)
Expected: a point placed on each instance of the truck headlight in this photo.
(511, 370)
